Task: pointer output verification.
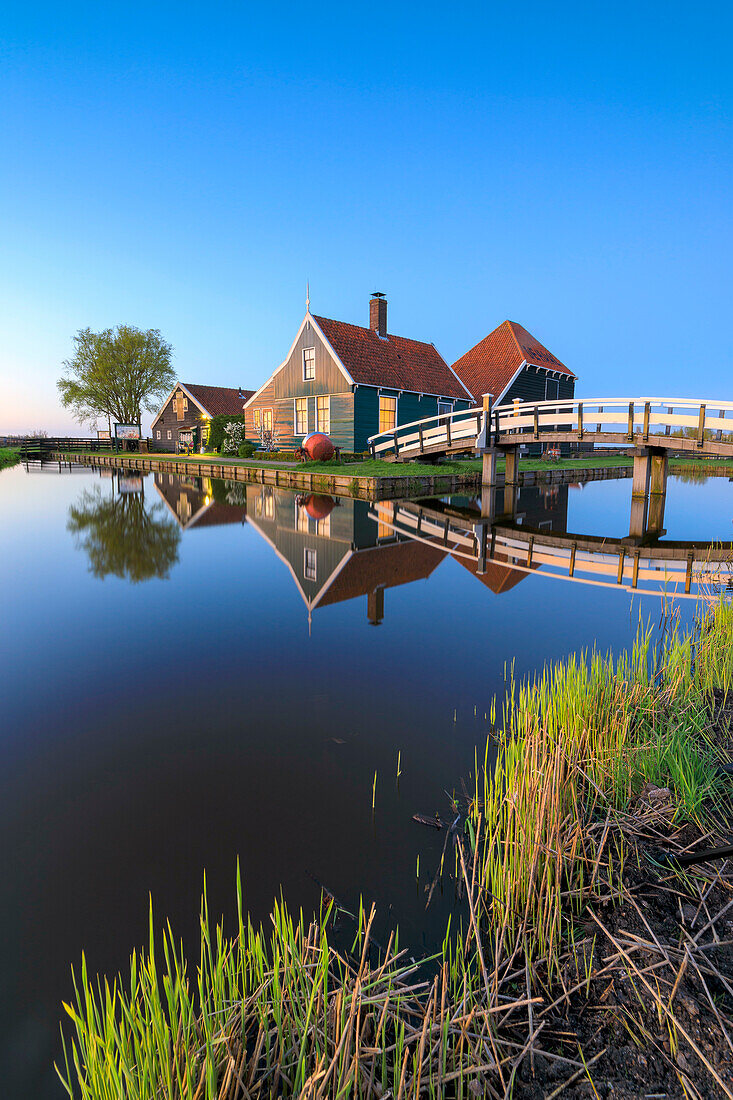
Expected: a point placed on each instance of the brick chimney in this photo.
(378, 313)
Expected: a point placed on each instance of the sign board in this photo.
(104, 434)
(127, 431)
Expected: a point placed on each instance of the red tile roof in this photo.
(499, 578)
(219, 399)
(395, 362)
(491, 364)
(382, 566)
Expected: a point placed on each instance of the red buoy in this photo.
(318, 505)
(318, 447)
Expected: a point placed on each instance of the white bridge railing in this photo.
(648, 417)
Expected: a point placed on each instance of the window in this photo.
(157, 434)
(444, 407)
(387, 413)
(323, 414)
(256, 418)
(169, 433)
(267, 420)
(301, 415)
(310, 559)
(311, 525)
(309, 364)
(552, 389)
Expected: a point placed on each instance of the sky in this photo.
(188, 167)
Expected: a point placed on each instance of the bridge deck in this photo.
(700, 427)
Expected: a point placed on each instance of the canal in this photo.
(195, 673)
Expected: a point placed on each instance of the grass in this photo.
(9, 456)
(546, 836)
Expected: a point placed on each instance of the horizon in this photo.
(193, 173)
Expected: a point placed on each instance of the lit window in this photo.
(309, 364)
(309, 564)
(323, 414)
(301, 416)
(256, 416)
(387, 413)
(266, 420)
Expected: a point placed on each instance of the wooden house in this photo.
(511, 364)
(183, 419)
(351, 382)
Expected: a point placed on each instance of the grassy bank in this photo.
(8, 457)
(568, 973)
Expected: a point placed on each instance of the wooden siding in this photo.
(410, 406)
(192, 418)
(282, 390)
(531, 386)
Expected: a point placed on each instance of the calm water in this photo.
(193, 673)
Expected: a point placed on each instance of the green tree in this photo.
(115, 374)
(122, 538)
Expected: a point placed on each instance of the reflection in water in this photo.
(121, 536)
(189, 726)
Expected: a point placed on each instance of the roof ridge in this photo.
(514, 336)
(390, 335)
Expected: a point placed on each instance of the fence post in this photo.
(701, 427)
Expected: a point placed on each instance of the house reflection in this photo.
(196, 502)
(340, 549)
(334, 551)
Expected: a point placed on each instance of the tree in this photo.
(122, 537)
(116, 374)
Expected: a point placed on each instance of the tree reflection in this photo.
(122, 537)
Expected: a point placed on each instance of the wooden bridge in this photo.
(700, 427)
(684, 569)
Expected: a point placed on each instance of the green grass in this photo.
(9, 456)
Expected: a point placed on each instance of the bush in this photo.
(246, 449)
(217, 428)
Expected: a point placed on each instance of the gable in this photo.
(287, 380)
(491, 365)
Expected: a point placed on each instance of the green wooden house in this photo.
(351, 382)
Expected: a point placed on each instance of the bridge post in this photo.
(648, 493)
(487, 450)
(511, 477)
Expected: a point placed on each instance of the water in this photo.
(188, 680)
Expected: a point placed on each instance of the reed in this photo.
(284, 1012)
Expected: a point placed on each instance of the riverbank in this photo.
(587, 953)
(371, 480)
(9, 456)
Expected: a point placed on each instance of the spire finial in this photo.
(307, 297)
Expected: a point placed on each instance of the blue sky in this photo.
(187, 168)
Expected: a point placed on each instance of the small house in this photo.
(183, 420)
(352, 381)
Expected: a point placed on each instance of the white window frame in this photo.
(157, 433)
(387, 397)
(296, 429)
(306, 376)
(170, 434)
(448, 407)
(308, 574)
(327, 399)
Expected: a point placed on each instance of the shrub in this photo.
(246, 449)
(233, 437)
(217, 428)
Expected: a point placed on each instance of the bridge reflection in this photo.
(492, 530)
